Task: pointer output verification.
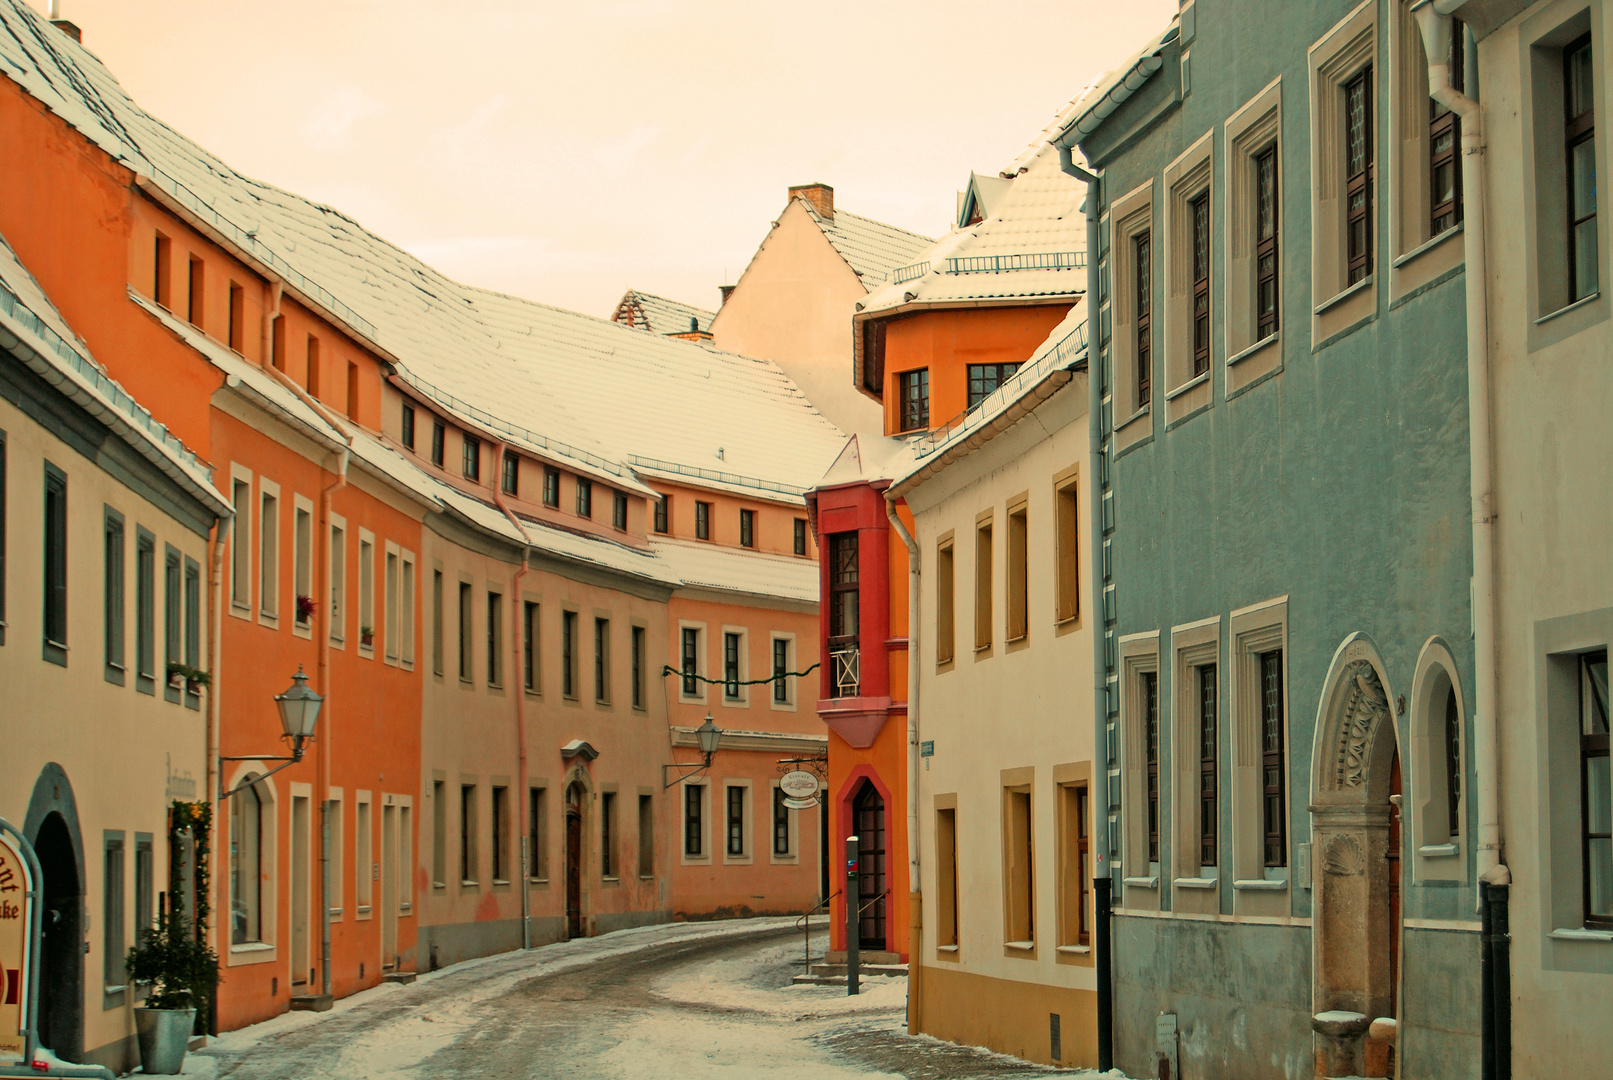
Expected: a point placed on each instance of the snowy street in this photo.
(678, 1000)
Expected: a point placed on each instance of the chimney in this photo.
(69, 28)
(727, 291)
(821, 196)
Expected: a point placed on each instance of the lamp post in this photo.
(299, 712)
(708, 736)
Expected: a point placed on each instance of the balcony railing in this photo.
(846, 664)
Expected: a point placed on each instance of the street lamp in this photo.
(707, 737)
(299, 712)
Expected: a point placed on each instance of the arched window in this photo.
(246, 865)
(1438, 786)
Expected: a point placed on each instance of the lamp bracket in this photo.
(695, 769)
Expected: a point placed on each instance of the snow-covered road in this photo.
(680, 1000)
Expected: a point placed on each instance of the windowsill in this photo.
(1138, 415)
(269, 619)
(1195, 882)
(986, 648)
(252, 947)
(336, 913)
(1581, 934)
(1339, 298)
(1188, 385)
(238, 608)
(110, 990)
(1150, 882)
(1259, 346)
(1438, 851)
(1016, 639)
(612, 878)
(1078, 950)
(362, 910)
(1426, 246)
(1575, 306)
(465, 883)
(946, 948)
(367, 651)
(537, 881)
(501, 881)
(1020, 946)
(1259, 885)
(439, 884)
(646, 877)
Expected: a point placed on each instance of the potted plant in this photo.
(366, 636)
(183, 673)
(180, 972)
(305, 608)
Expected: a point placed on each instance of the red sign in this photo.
(15, 884)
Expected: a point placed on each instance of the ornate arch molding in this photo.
(53, 793)
(1355, 738)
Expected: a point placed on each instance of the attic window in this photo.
(472, 458)
(874, 357)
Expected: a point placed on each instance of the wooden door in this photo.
(573, 873)
(389, 888)
(870, 815)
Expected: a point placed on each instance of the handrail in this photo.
(804, 924)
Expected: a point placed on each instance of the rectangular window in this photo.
(781, 824)
(844, 616)
(112, 598)
(406, 612)
(439, 834)
(467, 834)
(269, 555)
(471, 457)
(1209, 789)
(529, 647)
(1453, 766)
(112, 889)
(945, 603)
(408, 427)
(1444, 145)
(1143, 255)
(946, 877)
(1358, 175)
(173, 619)
(638, 667)
(237, 318)
(730, 666)
(366, 592)
(194, 303)
(145, 884)
(1580, 133)
(145, 605)
(537, 849)
(1075, 870)
(618, 510)
(363, 858)
(501, 835)
(1069, 551)
(436, 622)
(55, 562)
(913, 387)
(646, 836)
(495, 639)
(336, 828)
(2, 537)
(691, 662)
(661, 520)
(162, 283)
(1018, 585)
(607, 834)
(735, 830)
(1266, 243)
(467, 643)
(1018, 867)
(1200, 212)
(985, 378)
(510, 480)
(338, 583)
(983, 560)
(241, 544)
(702, 521)
(277, 343)
(693, 820)
(585, 498)
(303, 542)
(747, 528)
(1274, 769)
(392, 605)
(1150, 709)
(800, 536)
(439, 435)
(602, 660)
(352, 390)
(568, 654)
(314, 366)
(781, 671)
(551, 487)
(1596, 791)
(193, 620)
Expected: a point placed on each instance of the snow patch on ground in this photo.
(738, 984)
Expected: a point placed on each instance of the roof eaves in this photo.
(1087, 120)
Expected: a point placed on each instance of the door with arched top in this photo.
(574, 797)
(61, 973)
(869, 810)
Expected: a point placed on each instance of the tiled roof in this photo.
(871, 248)
(658, 315)
(750, 572)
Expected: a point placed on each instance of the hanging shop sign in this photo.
(16, 954)
(800, 789)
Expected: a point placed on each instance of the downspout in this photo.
(272, 291)
(215, 654)
(915, 895)
(520, 697)
(1494, 876)
(1100, 672)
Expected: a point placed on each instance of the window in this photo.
(277, 343)
(691, 662)
(781, 824)
(1149, 701)
(1068, 567)
(495, 640)
(1444, 146)
(551, 486)
(467, 834)
(366, 590)
(145, 884)
(568, 654)
(269, 555)
(602, 661)
(985, 378)
(112, 599)
(112, 889)
(1266, 243)
(392, 605)
(983, 553)
(193, 622)
(246, 865)
(747, 528)
(313, 366)
(1580, 134)
(1075, 866)
(173, 625)
(352, 390)
(781, 671)
(702, 521)
(145, 608)
(607, 834)
(1018, 586)
(1358, 175)
(1273, 766)
(661, 521)
(436, 622)
(471, 456)
(406, 610)
(913, 388)
(1199, 211)
(438, 437)
(510, 480)
(334, 817)
(646, 836)
(439, 834)
(1019, 907)
(338, 582)
(303, 541)
(162, 284)
(241, 544)
(730, 666)
(1453, 765)
(363, 857)
(585, 498)
(1143, 258)
(466, 642)
(237, 318)
(844, 608)
(735, 830)
(1596, 791)
(194, 303)
(638, 667)
(501, 835)
(693, 820)
(945, 603)
(2, 537)
(529, 648)
(800, 536)
(946, 877)
(538, 850)
(618, 510)
(1209, 790)
(873, 366)
(55, 564)
(408, 427)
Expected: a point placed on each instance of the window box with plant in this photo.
(366, 636)
(180, 973)
(306, 606)
(180, 675)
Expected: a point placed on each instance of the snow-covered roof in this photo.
(753, 573)
(871, 248)
(1115, 86)
(980, 198)
(658, 315)
(28, 318)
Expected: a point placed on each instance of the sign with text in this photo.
(800, 789)
(15, 884)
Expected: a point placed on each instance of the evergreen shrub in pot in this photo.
(182, 973)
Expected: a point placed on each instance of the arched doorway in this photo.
(869, 812)
(61, 974)
(575, 794)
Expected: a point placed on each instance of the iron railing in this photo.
(993, 264)
(714, 475)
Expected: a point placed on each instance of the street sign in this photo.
(800, 784)
(16, 882)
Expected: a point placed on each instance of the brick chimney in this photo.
(727, 291)
(68, 28)
(821, 196)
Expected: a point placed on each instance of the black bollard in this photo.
(852, 915)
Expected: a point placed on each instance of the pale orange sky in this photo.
(563, 152)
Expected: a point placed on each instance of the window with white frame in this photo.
(1252, 294)
(1186, 307)
(1344, 102)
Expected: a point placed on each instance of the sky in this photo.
(567, 152)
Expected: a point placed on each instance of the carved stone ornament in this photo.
(1365, 704)
(1344, 856)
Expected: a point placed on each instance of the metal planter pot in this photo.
(164, 1035)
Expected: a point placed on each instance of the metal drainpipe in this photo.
(215, 663)
(520, 697)
(1100, 674)
(915, 895)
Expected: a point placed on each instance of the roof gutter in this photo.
(1088, 122)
